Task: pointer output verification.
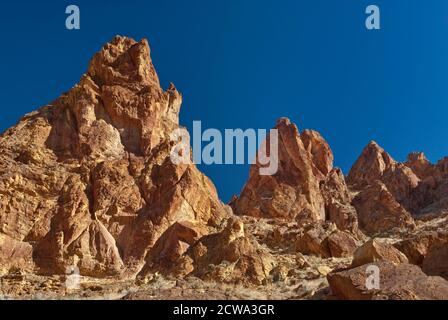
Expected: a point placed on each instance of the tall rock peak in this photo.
(118, 107)
(95, 169)
(305, 187)
(124, 60)
(370, 165)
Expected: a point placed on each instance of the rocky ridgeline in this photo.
(88, 181)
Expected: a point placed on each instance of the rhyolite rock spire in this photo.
(293, 191)
(88, 180)
(389, 193)
(306, 188)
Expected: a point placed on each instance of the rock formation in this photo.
(87, 183)
(390, 193)
(305, 188)
(325, 240)
(229, 256)
(293, 192)
(402, 282)
(88, 180)
(373, 251)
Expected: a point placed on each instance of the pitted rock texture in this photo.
(87, 180)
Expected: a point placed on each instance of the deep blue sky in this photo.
(241, 63)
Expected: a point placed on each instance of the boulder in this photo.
(396, 282)
(341, 244)
(435, 262)
(325, 240)
(373, 251)
(229, 256)
(416, 246)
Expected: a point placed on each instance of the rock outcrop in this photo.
(229, 256)
(306, 188)
(87, 183)
(373, 251)
(397, 282)
(88, 180)
(379, 211)
(370, 166)
(417, 246)
(325, 240)
(390, 193)
(338, 202)
(383, 188)
(293, 191)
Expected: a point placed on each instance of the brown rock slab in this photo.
(435, 262)
(88, 178)
(230, 257)
(341, 244)
(378, 210)
(396, 282)
(373, 251)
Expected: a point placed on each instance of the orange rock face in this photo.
(370, 165)
(379, 211)
(229, 256)
(292, 192)
(373, 251)
(305, 188)
(88, 180)
(389, 192)
(398, 282)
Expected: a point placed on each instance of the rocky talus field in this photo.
(87, 182)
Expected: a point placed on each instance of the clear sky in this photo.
(245, 63)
